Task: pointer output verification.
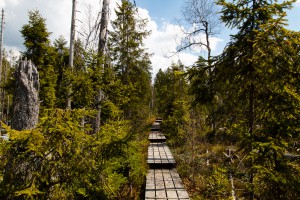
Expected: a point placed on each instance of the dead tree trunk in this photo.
(26, 101)
(101, 53)
(1, 58)
(71, 53)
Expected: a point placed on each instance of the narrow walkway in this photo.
(160, 156)
(163, 181)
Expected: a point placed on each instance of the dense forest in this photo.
(232, 120)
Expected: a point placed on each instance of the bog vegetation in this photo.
(232, 120)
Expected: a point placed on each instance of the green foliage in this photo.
(39, 51)
(170, 89)
(48, 83)
(171, 101)
(61, 65)
(82, 87)
(8, 83)
(199, 77)
(218, 185)
(248, 98)
(59, 160)
(132, 62)
(262, 109)
(36, 38)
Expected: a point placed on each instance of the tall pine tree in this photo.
(130, 59)
(254, 70)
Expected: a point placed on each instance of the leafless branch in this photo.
(202, 21)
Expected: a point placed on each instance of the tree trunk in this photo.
(26, 101)
(1, 60)
(71, 54)
(101, 53)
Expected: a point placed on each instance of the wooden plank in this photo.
(150, 185)
(165, 187)
(150, 194)
(176, 179)
(172, 194)
(160, 154)
(182, 194)
(155, 126)
(156, 136)
(160, 194)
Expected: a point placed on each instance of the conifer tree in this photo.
(39, 51)
(132, 62)
(172, 100)
(254, 79)
(61, 63)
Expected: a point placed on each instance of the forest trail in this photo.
(163, 181)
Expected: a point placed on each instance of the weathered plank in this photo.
(156, 136)
(155, 126)
(158, 121)
(160, 156)
(163, 181)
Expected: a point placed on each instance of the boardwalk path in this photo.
(163, 181)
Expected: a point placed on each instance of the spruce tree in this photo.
(254, 69)
(172, 100)
(39, 51)
(61, 63)
(132, 62)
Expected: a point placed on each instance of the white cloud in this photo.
(56, 12)
(298, 3)
(161, 42)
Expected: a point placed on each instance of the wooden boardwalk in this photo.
(160, 156)
(164, 184)
(163, 181)
(156, 136)
(155, 126)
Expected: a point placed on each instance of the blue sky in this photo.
(162, 9)
(160, 13)
(167, 10)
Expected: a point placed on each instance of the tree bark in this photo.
(71, 54)
(26, 101)
(101, 52)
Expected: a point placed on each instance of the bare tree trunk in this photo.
(1, 60)
(3, 92)
(232, 187)
(233, 194)
(71, 54)
(103, 29)
(101, 53)
(26, 102)
(7, 110)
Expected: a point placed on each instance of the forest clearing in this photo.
(90, 120)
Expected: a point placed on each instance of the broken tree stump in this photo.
(26, 100)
